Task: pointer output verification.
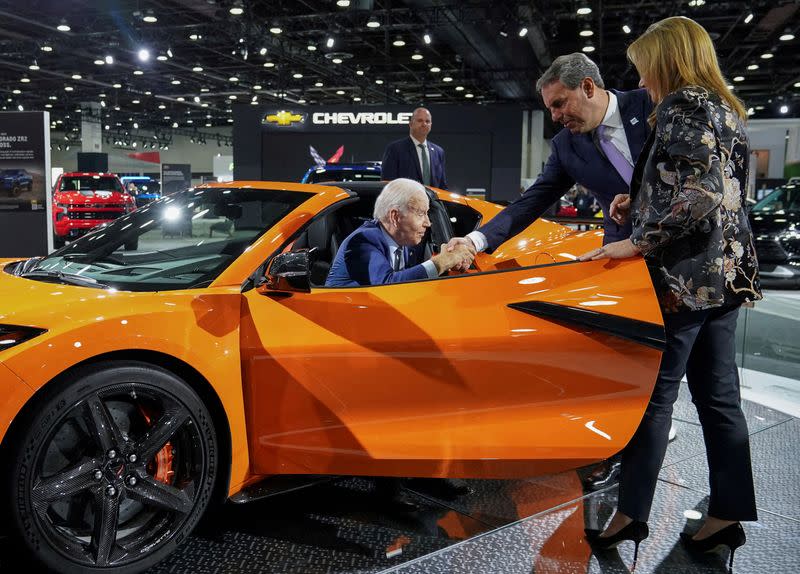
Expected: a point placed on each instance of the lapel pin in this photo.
(634, 121)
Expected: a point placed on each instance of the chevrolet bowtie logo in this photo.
(283, 118)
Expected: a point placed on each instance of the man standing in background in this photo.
(415, 157)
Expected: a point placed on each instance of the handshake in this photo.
(457, 255)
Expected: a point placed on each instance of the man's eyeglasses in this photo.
(421, 213)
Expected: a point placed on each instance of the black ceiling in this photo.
(476, 54)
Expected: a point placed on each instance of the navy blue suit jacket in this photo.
(364, 259)
(577, 158)
(402, 160)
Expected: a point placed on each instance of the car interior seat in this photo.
(319, 237)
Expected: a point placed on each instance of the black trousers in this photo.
(700, 344)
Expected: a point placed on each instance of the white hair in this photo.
(397, 195)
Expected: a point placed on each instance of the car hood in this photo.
(87, 197)
(774, 222)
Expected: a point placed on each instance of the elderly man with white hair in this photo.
(379, 251)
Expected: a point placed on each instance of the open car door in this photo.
(505, 373)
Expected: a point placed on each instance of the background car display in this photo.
(137, 387)
(775, 221)
(362, 171)
(144, 189)
(82, 201)
(15, 181)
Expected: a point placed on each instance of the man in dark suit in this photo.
(415, 157)
(382, 250)
(606, 131)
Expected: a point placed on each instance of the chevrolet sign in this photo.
(283, 118)
(360, 118)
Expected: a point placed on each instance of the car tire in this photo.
(16, 190)
(112, 469)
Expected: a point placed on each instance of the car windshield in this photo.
(90, 183)
(345, 174)
(781, 201)
(181, 241)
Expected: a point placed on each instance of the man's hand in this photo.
(459, 257)
(620, 208)
(466, 242)
(617, 250)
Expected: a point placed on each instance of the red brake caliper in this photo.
(160, 467)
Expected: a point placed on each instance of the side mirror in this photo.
(289, 272)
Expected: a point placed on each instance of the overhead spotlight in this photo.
(63, 26)
(257, 87)
(426, 37)
(144, 54)
(117, 86)
(359, 72)
(784, 109)
(46, 48)
(399, 42)
(787, 36)
(236, 8)
(626, 28)
(435, 69)
(337, 60)
(329, 42)
(416, 55)
(379, 81)
(20, 108)
(194, 37)
(197, 68)
(523, 31)
(343, 3)
(767, 55)
(738, 79)
(588, 48)
(297, 76)
(150, 16)
(753, 66)
(175, 82)
(34, 66)
(76, 76)
(796, 84)
(269, 64)
(233, 79)
(275, 29)
(584, 9)
(137, 72)
(100, 62)
(339, 92)
(311, 48)
(25, 79)
(748, 18)
(373, 22)
(262, 52)
(586, 32)
(447, 79)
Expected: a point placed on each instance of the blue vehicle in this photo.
(15, 181)
(144, 189)
(361, 171)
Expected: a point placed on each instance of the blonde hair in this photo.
(677, 52)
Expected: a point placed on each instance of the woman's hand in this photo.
(620, 208)
(617, 250)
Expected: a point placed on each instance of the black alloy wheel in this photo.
(113, 469)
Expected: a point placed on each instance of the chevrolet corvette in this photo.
(188, 353)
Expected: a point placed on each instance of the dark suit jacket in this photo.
(402, 160)
(688, 205)
(364, 259)
(577, 158)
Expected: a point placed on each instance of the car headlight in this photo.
(11, 335)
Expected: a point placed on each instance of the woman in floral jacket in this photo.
(687, 204)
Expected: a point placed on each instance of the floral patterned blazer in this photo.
(688, 202)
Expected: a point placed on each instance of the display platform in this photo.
(503, 526)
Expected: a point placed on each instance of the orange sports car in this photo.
(188, 351)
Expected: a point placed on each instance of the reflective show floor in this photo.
(504, 526)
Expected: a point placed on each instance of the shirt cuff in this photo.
(430, 269)
(479, 239)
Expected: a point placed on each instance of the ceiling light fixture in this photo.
(34, 66)
(588, 48)
(447, 79)
(379, 81)
(318, 84)
(46, 48)
(63, 26)
(137, 72)
(311, 48)
(144, 54)
(416, 55)
(435, 69)
(749, 18)
(753, 66)
(584, 9)
(275, 29)
(586, 32)
(426, 37)
(329, 42)
(197, 68)
(237, 9)
(100, 62)
(297, 76)
(523, 31)
(150, 17)
(787, 36)
(269, 64)
(399, 42)
(337, 60)
(343, 3)
(373, 22)
(784, 109)
(233, 79)
(626, 28)
(76, 76)
(767, 55)
(738, 79)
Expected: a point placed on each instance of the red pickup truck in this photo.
(83, 200)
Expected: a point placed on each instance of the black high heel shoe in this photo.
(636, 531)
(731, 536)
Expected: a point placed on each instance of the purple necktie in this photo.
(614, 155)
